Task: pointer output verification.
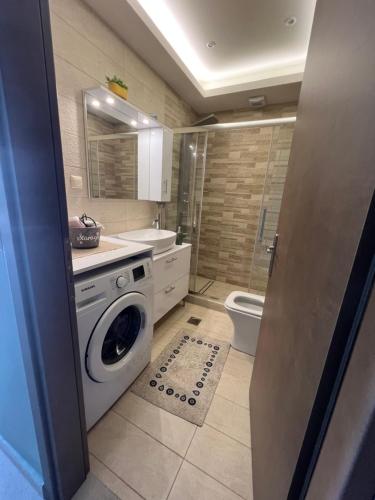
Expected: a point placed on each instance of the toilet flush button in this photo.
(121, 282)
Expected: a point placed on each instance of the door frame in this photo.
(36, 245)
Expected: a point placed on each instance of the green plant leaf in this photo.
(116, 79)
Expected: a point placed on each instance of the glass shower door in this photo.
(190, 150)
(270, 208)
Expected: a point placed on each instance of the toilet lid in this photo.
(248, 303)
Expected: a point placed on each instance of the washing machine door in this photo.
(116, 337)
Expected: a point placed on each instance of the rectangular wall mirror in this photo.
(129, 154)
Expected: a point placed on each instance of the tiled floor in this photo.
(213, 289)
(141, 451)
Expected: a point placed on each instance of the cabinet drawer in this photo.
(170, 267)
(170, 296)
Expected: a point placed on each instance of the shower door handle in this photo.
(262, 224)
(195, 216)
(272, 250)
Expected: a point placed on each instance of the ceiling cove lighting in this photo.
(166, 24)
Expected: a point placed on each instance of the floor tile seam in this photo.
(191, 440)
(174, 480)
(215, 479)
(234, 402)
(228, 435)
(118, 477)
(150, 435)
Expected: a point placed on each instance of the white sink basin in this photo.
(160, 239)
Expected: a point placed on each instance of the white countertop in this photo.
(129, 249)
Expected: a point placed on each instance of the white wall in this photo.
(85, 51)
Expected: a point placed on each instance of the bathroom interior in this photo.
(220, 196)
(177, 122)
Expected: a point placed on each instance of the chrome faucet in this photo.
(156, 223)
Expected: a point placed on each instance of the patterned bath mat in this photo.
(184, 377)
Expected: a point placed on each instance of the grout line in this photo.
(234, 402)
(215, 479)
(227, 435)
(115, 474)
(191, 440)
(174, 480)
(183, 460)
(148, 434)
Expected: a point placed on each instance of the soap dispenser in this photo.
(179, 236)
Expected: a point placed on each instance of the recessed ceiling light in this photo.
(191, 146)
(211, 44)
(133, 123)
(95, 103)
(110, 100)
(145, 121)
(290, 21)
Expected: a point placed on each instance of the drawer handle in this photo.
(169, 289)
(172, 259)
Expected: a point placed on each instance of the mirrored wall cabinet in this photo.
(129, 153)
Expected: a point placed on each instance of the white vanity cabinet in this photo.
(155, 164)
(171, 271)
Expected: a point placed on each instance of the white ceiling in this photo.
(255, 52)
(253, 43)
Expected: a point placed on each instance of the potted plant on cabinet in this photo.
(117, 86)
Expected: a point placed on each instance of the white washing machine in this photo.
(115, 327)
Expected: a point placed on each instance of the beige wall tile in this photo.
(85, 51)
(242, 165)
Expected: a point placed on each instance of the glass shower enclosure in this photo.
(228, 186)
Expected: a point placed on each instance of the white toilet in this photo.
(245, 310)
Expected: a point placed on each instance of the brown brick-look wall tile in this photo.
(236, 175)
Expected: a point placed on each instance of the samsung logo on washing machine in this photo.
(87, 288)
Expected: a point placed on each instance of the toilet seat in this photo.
(247, 303)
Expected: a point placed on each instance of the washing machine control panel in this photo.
(118, 281)
(124, 278)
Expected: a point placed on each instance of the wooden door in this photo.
(328, 191)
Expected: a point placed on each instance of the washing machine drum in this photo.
(117, 336)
